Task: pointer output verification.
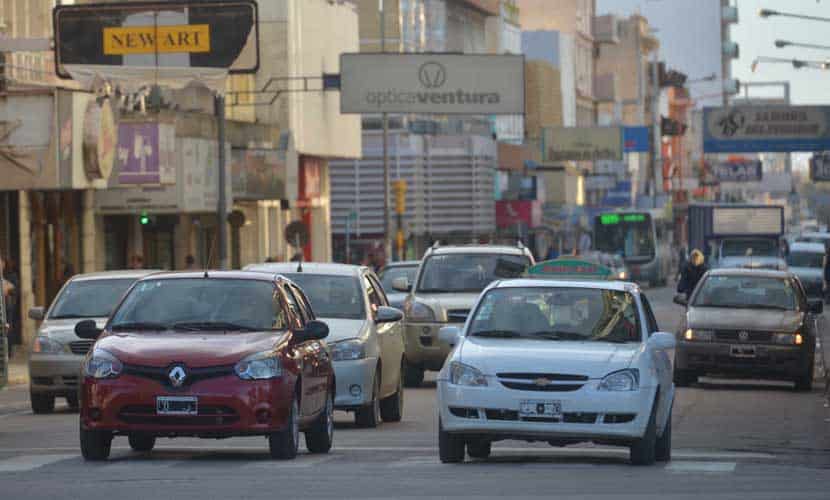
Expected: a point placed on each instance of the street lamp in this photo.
(764, 13)
(786, 43)
(796, 63)
(708, 78)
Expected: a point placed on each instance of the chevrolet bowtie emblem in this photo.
(177, 376)
(542, 382)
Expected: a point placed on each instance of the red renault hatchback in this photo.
(209, 355)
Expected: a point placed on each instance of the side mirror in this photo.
(87, 329)
(681, 300)
(401, 284)
(314, 330)
(37, 313)
(388, 315)
(449, 335)
(662, 341)
(815, 306)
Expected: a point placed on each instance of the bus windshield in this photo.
(628, 234)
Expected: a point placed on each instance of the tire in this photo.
(413, 376)
(479, 449)
(72, 402)
(142, 442)
(95, 445)
(804, 383)
(684, 378)
(450, 446)
(643, 450)
(320, 437)
(283, 445)
(369, 416)
(662, 451)
(391, 408)
(42, 403)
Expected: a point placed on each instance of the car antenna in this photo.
(300, 254)
(210, 255)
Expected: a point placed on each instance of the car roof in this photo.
(242, 275)
(403, 263)
(620, 286)
(115, 275)
(761, 273)
(330, 269)
(478, 249)
(823, 236)
(804, 246)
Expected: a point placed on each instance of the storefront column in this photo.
(27, 296)
(89, 234)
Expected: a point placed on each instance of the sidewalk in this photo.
(18, 369)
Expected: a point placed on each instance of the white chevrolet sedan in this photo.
(558, 361)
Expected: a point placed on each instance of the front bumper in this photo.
(227, 406)
(55, 374)
(770, 361)
(588, 414)
(423, 347)
(360, 373)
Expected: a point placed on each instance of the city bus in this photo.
(642, 238)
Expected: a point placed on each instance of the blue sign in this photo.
(636, 139)
(771, 129)
(620, 196)
(741, 171)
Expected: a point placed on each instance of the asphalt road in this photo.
(747, 439)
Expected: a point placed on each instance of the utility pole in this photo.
(221, 205)
(387, 240)
(657, 143)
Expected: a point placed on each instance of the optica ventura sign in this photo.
(432, 83)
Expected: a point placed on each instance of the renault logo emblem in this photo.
(542, 382)
(744, 336)
(177, 376)
(432, 75)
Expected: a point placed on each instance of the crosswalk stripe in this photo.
(705, 467)
(26, 463)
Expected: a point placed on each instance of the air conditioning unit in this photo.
(731, 49)
(731, 86)
(729, 15)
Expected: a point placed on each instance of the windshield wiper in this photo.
(557, 335)
(212, 325)
(139, 325)
(502, 334)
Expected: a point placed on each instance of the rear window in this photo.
(89, 298)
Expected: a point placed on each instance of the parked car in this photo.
(365, 336)
(393, 271)
(57, 353)
(212, 355)
(447, 285)
(743, 322)
(806, 260)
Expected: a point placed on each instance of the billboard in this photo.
(637, 139)
(738, 171)
(582, 144)
(145, 153)
(432, 83)
(772, 129)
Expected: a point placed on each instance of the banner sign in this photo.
(773, 129)
(582, 144)
(820, 167)
(146, 153)
(432, 83)
(743, 171)
(636, 139)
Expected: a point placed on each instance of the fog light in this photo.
(95, 414)
(355, 390)
(262, 416)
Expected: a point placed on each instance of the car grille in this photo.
(208, 415)
(568, 418)
(81, 346)
(735, 336)
(162, 375)
(457, 315)
(555, 382)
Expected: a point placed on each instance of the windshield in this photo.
(806, 259)
(200, 303)
(582, 314)
(89, 298)
(749, 247)
(332, 296)
(746, 292)
(629, 235)
(390, 274)
(468, 272)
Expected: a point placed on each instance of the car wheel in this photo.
(662, 451)
(391, 408)
(450, 446)
(642, 451)
(95, 445)
(283, 445)
(413, 376)
(369, 415)
(684, 378)
(72, 401)
(321, 435)
(142, 442)
(42, 403)
(479, 449)
(804, 383)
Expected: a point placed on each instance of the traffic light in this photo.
(144, 219)
(671, 127)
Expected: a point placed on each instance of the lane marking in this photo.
(703, 467)
(26, 463)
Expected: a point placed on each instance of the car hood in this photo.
(342, 329)
(63, 330)
(718, 318)
(443, 302)
(160, 349)
(807, 273)
(594, 359)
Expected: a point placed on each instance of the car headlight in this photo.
(418, 312)
(259, 366)
(348, 350)
(623, 380)
(699, 335)
(461, 374)
(788, 338)
(45, 345)
(102, 364)
(622, 275)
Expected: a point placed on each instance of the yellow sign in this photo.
(400, 197)
(161, 39)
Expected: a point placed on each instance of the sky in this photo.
(689, 29)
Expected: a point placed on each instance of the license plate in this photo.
(540, 409)
(177, 405)
(742, 351)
